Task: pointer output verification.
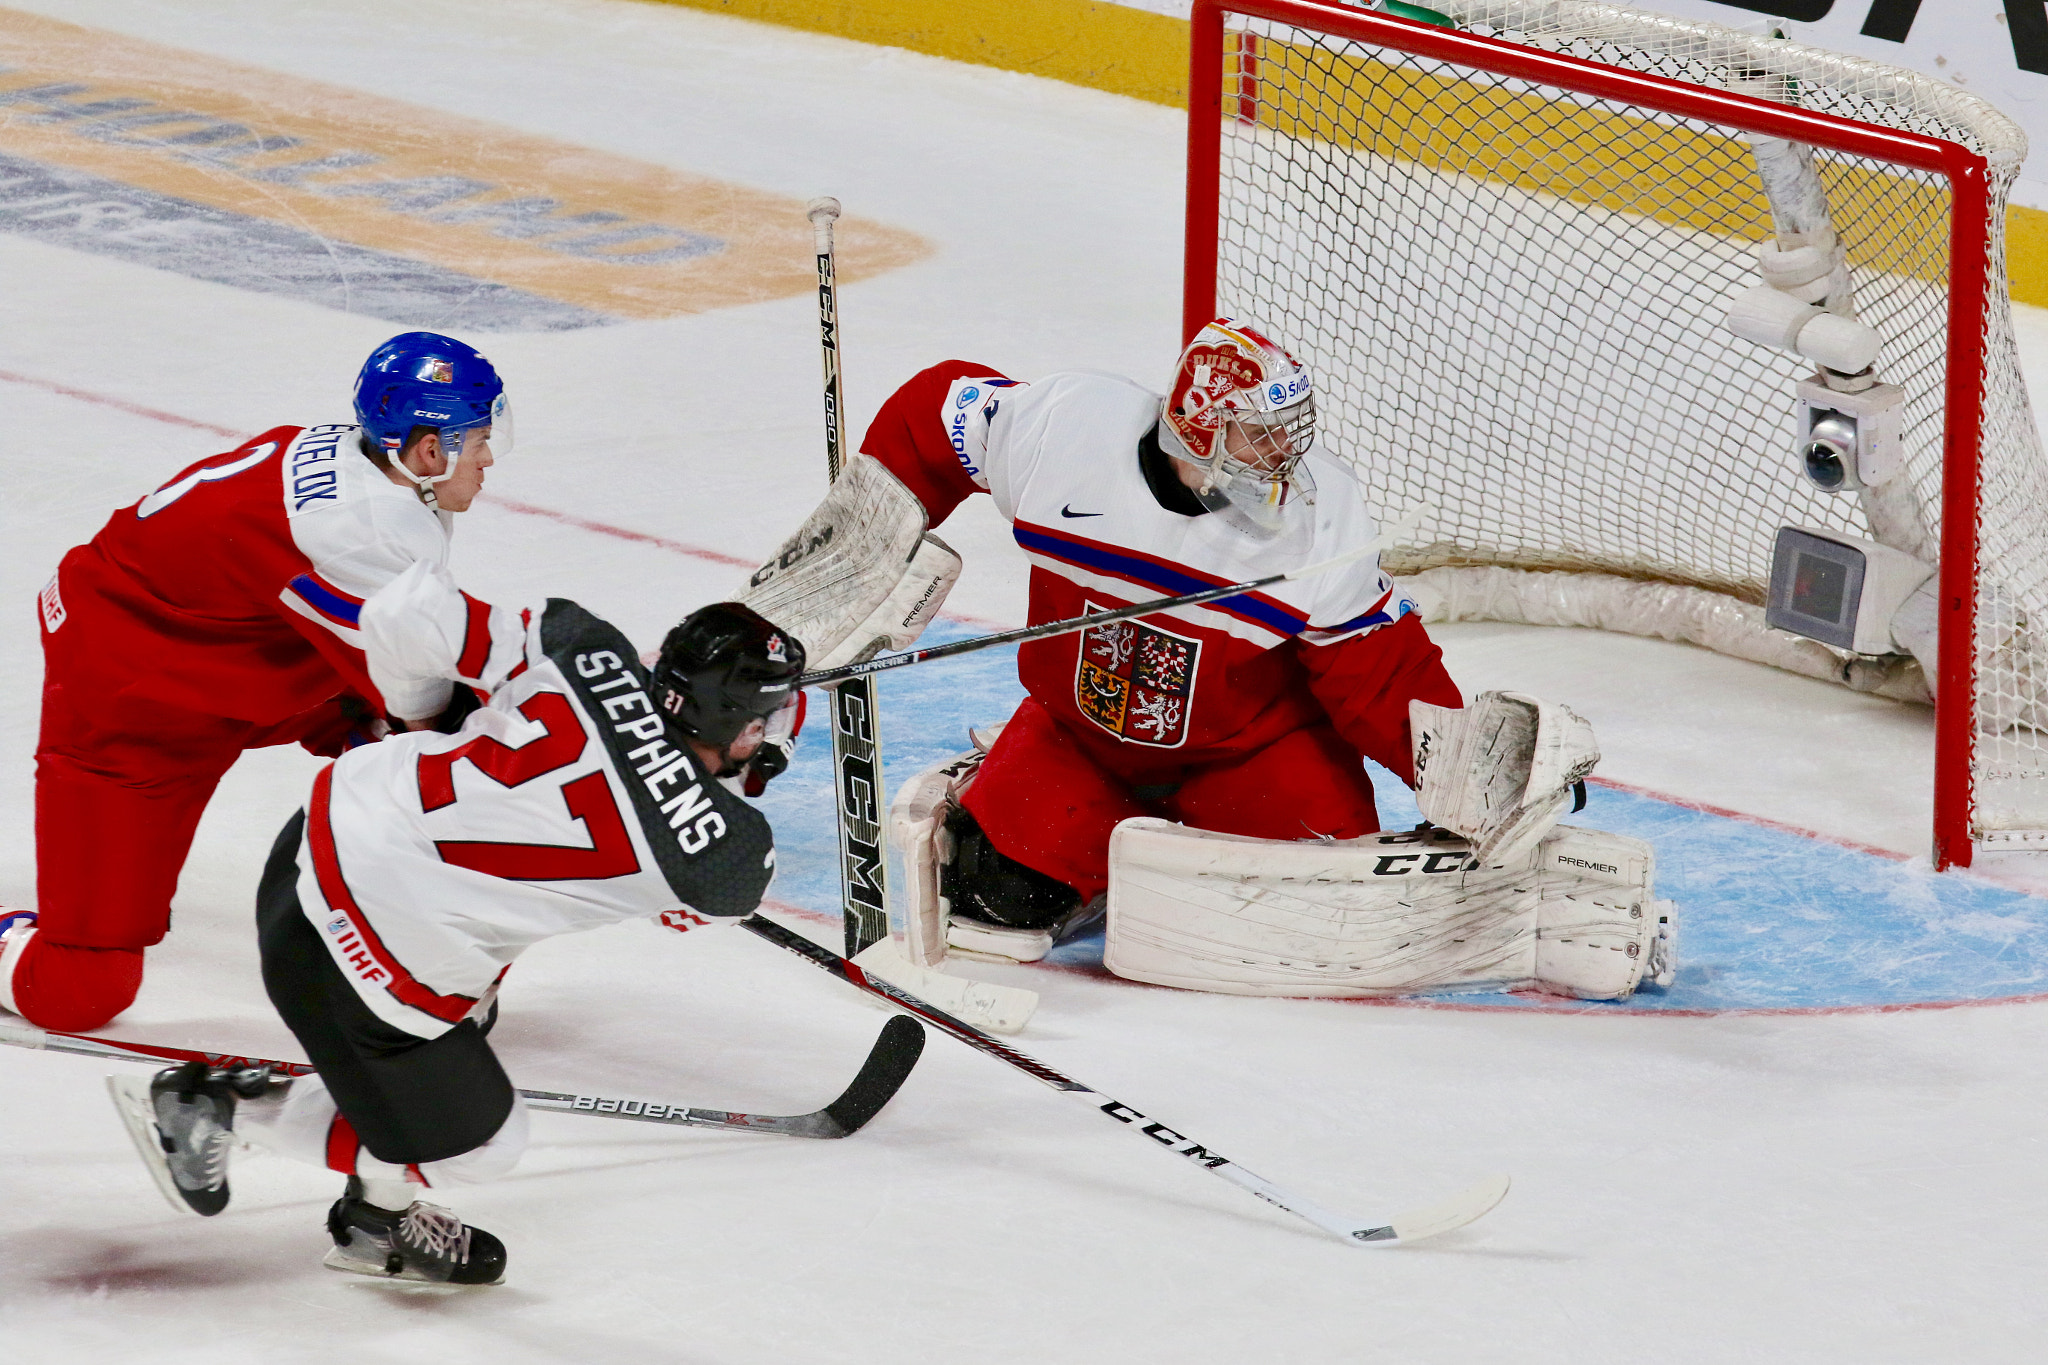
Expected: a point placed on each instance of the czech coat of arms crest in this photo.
(1137, 681)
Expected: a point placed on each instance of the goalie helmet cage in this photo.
(1505, 249)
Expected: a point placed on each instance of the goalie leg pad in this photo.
(962, 894)
(1600, 930)
(1389, 914)
(1501, 771)
(917, 822)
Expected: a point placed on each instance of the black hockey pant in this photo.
(409, 1099)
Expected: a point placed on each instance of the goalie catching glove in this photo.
(1499, 772)
(861, 575)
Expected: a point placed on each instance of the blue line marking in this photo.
(1767, 919)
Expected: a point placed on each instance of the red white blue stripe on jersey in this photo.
(1169, 579)
(314, 596)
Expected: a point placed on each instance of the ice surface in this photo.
(1836, 1187)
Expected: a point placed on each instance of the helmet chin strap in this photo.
(423, 484)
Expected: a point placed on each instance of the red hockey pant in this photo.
(120, 785)
(1044, 800)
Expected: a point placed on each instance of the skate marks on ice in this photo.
(280, 185)
(1770, 918)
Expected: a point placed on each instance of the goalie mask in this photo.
(722, 669)
(1241, 410)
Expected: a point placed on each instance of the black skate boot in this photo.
(182, 1121)
(423, 1242)
(1000, 910)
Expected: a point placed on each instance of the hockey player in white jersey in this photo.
(1240, 725)
(585, 791)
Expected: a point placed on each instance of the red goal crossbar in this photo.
(1969, 183)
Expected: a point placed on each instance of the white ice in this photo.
(1854, 1188)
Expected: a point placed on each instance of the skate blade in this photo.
(337, 1259)
(131, 1100)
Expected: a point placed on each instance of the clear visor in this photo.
(495, 432)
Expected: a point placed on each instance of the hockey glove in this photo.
(778, 746)
(461, 704)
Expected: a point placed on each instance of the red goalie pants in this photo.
(1044, 800)
(120, 785)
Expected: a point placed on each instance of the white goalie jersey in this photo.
(431, 861)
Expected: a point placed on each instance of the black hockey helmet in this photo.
(723, 668)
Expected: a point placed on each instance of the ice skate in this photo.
(423, 1242)
(182, 1120)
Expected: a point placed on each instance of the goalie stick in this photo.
(1411, 1226)
(856, 724)
(888, 1065)
(884, 662)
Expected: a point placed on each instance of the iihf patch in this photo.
(338, 925)
(966, 397)
(51, 600)
(1137, 681)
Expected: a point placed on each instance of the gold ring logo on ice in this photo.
(288, 186)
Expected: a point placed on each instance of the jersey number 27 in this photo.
(589, 799)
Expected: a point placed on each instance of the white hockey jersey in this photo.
(1056, 456)
(1071, 462)
(431, 861)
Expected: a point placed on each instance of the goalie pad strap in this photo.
(860, 574)
(1389, 914)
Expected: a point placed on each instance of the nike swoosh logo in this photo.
(1068, 511)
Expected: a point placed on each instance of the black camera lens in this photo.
(1824, 465)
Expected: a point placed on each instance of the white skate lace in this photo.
(435, 1231)
(220, 1144)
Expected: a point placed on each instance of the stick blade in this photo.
(1455, 1212)
(888, 1065)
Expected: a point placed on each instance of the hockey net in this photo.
(1506, 249)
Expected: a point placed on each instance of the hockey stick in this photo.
(882, 663)
(1412, 1226)
(889, 1063)
(856, 723)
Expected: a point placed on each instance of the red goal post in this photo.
(1346, 170)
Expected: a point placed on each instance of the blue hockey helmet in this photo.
(423, 379)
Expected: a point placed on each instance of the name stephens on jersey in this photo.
(656, 763)
(560, 805)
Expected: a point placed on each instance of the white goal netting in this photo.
(1512, 300)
